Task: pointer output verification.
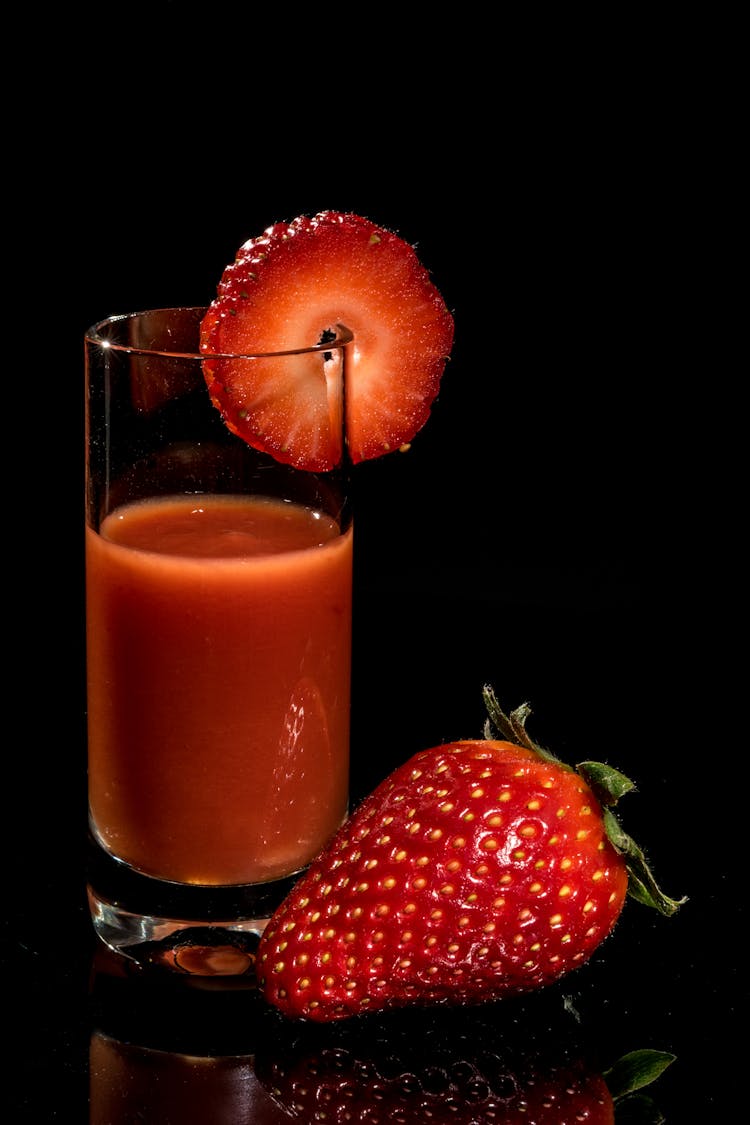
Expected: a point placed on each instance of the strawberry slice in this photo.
(302, 284)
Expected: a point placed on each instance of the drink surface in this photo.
(219, 652)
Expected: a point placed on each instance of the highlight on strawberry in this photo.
(477, 870)
(303, 284)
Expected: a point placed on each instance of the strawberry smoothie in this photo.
(219, 649)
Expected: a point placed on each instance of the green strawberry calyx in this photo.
(608, 785)
(628, 1077)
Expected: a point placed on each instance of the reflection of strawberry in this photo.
(431, 1074)
(477, 870)
(291, 288)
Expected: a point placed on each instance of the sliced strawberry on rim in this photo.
(303, 284)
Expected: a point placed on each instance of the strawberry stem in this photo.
(513, 726)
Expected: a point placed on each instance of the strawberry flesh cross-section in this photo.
(299, 286)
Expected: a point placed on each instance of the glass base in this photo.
(194, 930)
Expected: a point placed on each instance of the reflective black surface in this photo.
(562, 528)
(90, 1035)
(580, 642)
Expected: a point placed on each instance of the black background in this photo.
(561, 528)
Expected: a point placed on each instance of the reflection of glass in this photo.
(219, 637)
(166, 1054)
(129, 1083)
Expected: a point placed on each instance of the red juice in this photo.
(219, 656)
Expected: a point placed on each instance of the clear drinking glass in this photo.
(218, 604)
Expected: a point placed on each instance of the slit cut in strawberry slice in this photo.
(304, 284)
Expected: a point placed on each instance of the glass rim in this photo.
(97, 335)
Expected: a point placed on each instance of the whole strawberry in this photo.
(478, 869)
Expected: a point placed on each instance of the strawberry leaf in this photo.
(628, 1076)
(636, 1070)
(608, 783)
(638, 1109)
(641, 883)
